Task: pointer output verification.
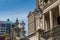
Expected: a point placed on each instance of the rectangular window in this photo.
(3, 31)
(2, 25)
(3, 28)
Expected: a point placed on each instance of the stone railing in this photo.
(55, 31)
(48, 4)
(56, 27)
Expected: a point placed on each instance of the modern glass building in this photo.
(5, 27)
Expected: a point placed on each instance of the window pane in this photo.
(2, 25)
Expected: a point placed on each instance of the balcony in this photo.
(48, 4)
(55, 30)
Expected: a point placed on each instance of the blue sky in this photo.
(16, 8)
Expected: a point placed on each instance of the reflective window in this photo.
(3, 28)
(2, 25)
(2, 31)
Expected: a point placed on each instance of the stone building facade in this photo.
(44, 21)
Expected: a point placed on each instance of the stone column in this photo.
(51, 24)
(51, 20)
(58, 19)
(37, 35)
(43, 22)
(59, 10)
(46, 25)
